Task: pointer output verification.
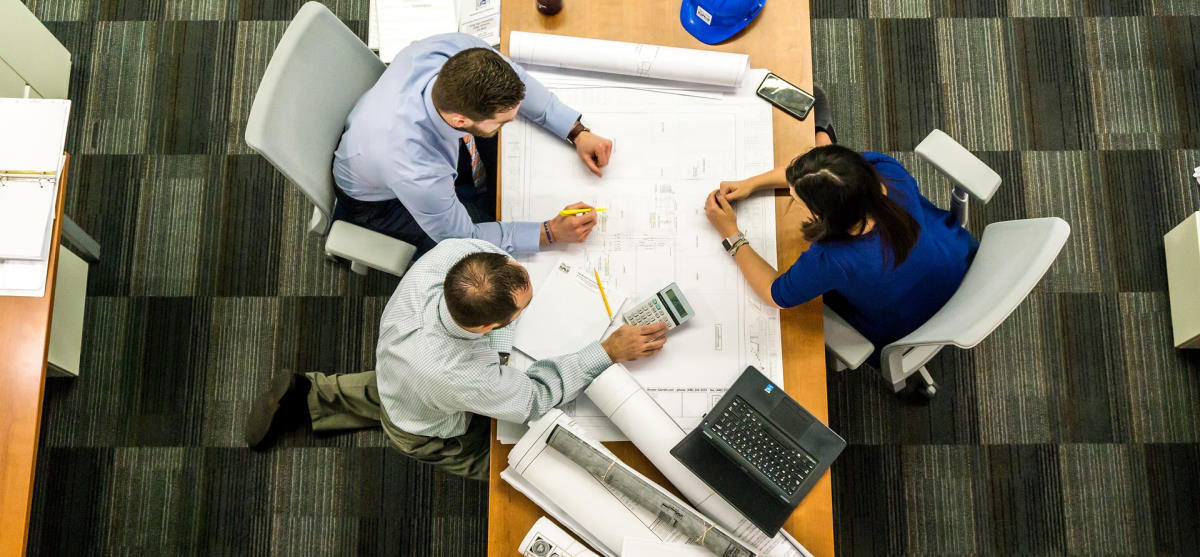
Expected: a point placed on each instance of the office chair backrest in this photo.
(1012, 257)
(318, 71)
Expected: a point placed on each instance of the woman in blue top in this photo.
(885, 258)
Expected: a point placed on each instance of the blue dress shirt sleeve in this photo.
(543, 108)
(505, 393)
(433, 203)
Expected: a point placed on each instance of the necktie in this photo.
(478, 172)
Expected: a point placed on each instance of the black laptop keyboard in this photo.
(744, 429)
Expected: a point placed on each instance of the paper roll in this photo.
(576, 493)
(691, 65)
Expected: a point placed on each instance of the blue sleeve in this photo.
(433, 203)
(812, 275)
(543, 108)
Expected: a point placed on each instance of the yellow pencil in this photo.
(602, 296)
(569, 212)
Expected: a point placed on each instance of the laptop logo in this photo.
(769, 388)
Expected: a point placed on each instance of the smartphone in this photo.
(793, 100)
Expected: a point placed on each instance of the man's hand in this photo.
(572, 228)
(594, 151)
(720, 214)
(630, 342)
(736, 189)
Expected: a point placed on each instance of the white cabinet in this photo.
(1183, 280)
(30, 54)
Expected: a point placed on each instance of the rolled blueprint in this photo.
(575, 497)
(546, 539)
(612, 472)
(725, 69)
(654, 433)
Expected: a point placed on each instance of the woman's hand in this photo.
(720, 214)
(737, 189)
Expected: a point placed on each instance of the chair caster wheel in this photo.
(918, 389)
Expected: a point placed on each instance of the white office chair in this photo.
(1013, 256)
(317, 73)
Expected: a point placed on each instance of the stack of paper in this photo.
(394, 24)
(32, 135)
(567, 312)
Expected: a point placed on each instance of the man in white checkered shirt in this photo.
(441, 366)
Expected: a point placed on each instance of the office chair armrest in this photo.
(368, 248)
(958, 164)
(845, 342)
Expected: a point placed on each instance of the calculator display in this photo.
(679, 309)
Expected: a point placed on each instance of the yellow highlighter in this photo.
(569, 212)
(602, 296)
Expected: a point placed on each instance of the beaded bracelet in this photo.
(546, 227)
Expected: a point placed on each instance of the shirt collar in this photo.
(452, 328)
(439, 125)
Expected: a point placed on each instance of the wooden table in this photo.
(778, 40)
(24, 340)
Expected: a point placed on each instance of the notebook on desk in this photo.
(567, 312)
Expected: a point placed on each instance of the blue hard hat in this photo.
(713, 21)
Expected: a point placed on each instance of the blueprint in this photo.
(670, 149)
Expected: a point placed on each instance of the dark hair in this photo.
(842, 189)
(480, 289)
(477, 83)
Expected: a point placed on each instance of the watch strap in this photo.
(577, 129)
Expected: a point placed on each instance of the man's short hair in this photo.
(481, 289)
(477, 83)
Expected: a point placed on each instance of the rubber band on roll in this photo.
(604, 478)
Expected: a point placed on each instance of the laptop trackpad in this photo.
(791, 418)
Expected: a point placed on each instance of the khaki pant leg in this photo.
(465, 455)
(343, 401)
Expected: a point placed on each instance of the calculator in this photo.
(667, 306)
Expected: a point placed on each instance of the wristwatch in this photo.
(577, 129)
(735, 242)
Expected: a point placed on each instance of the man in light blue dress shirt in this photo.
(417, 158)
(441, 365)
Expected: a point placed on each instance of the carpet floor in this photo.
(1073, 429)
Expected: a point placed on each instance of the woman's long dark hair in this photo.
(842, 189)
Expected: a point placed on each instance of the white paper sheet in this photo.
(26, 213)
(615, 57)
(546, 539)
(636, 547)
(617, 394)
(403, 21)
(566, 313)
(480, 18)
(670, 151)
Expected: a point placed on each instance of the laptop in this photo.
(759, 450)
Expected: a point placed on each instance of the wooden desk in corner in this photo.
(779, 40)
(24, 341)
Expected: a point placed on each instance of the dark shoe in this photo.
(283, 406)
(822, 116)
